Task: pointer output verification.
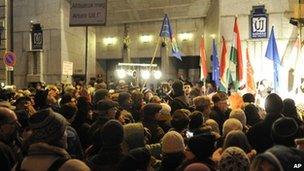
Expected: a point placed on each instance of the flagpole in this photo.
(154, 54)
(152, 60)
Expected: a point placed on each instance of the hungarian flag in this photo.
(236, 61)
(204, 72)
(223, 67)
(249, 80)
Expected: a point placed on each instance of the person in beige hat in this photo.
(173, 148)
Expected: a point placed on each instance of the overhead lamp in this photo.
(109, 41)
(146, 38)
(157, 74)
(185, 36)
(145, 74)
(121, 73)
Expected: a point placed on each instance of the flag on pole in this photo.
(223, 67)
(166, 31)
(204, 72)
(273, 54)
(236, 61)
(250, 84)
(215, 65)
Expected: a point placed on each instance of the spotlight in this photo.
(121, 73)
(129, 72)
(157, 74)
(145, 74)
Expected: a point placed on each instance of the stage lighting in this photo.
(157, 74)
(145, 74)
(121, 73)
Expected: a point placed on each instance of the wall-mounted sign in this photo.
(67, 68)
(258, 22)
(37, 37)
(88, 12)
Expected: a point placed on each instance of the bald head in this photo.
(7, 115)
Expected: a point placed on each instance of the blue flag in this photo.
(215, 66)
(272, 54)
(166, 31)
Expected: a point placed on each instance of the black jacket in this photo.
(259, 136)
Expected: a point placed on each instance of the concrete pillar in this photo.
(165, 62)
(126, 45)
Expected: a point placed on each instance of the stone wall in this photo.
(139, 49)
(61, 42)
(280, 11)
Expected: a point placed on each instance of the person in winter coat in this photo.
(47, 145)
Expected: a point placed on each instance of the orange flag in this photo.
(250, 80)
(204, 72)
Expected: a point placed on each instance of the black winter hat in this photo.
(47, 126)
(112, 133)
(202, 146)
(284, 131)
(100, 95)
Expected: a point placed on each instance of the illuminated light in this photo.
(121, 73)
(145, 74)
(109, 41)
(185, 36)
(130, 72)
(146, 38)
(157, 74)
(213, 36)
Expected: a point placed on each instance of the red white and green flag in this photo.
(204, 71)
(235, 58)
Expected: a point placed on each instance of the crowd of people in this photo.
(176, 127)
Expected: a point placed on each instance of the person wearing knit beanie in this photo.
(112, 134)
(199, 150)
(173, 149)
(100, 94)
(172, 142)
(234, 158)
(110, 153)
(284, 131)
(201, 146)
(47, 126)
(196, 121)
(134, 136)
(180, 120)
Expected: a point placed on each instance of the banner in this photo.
(88, 12)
